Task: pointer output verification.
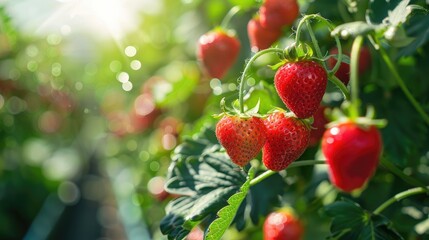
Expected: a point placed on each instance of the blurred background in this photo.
(93, 95)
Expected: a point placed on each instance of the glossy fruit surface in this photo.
(287, 139)
(218, 51)
(276, 14)
(352, 153)
(242, 138)
(260, 37)
(282, 225)
(301, 86)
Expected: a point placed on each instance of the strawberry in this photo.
(260, 37)
(282, 225)
(318, 126)
(287, 139)
(275, 14)
(301, 86)
(218, 50)
(343, 72)
(352, 153)
(241, 137)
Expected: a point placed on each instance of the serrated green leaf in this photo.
(419, 30)
(205, 176)
(399, 14)
(350, 221)
(226, 215)
(352, 29)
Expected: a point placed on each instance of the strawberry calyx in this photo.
(338, 116)
(224, 31)
(234, 110)
(307, 121)
(297, 53)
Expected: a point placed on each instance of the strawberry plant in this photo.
(220, 177)
(216, 119)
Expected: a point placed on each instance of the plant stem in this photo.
(354, 75)
(246, 69)
(398, 172)
(402, 85)
(231, 13)
(316, 46)
(268, 173)
(399, 197)
(306, 163)
(315, 43)
(340, 85)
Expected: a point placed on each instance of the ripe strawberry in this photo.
(242, 138)
(352, 153)
(275, 14)
(301, 86)
(282, 225)
(287, 139)
(260, 37)
(343, 72)
(318, 126)
(218, 50)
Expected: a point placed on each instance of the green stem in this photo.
(246, 69)
(398, 172)
(402, 85)
(231, 13)
(340, 85)
(315, 43)
(331, 27)
(261, 177)
(354, 75)
(398, 197)
(306, 163)
(268, 173)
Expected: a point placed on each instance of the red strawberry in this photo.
(352, 153)
(282, 225)
(218, 50)
(287, 139)
(301, 86)
(260, 37)
(343, 72)
(242, 138)
(275, 14)
(318, 126)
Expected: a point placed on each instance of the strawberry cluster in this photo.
(283, 137)
(266, 27)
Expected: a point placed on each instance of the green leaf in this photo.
(401, 12)
(226, 215)
(205, 177)
(352, 29)
(350, 221)
(419, 30)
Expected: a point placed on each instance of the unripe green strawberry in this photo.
(301, 86)
(352, 153)
(241, 137)
(287, 139)
(282, 225)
